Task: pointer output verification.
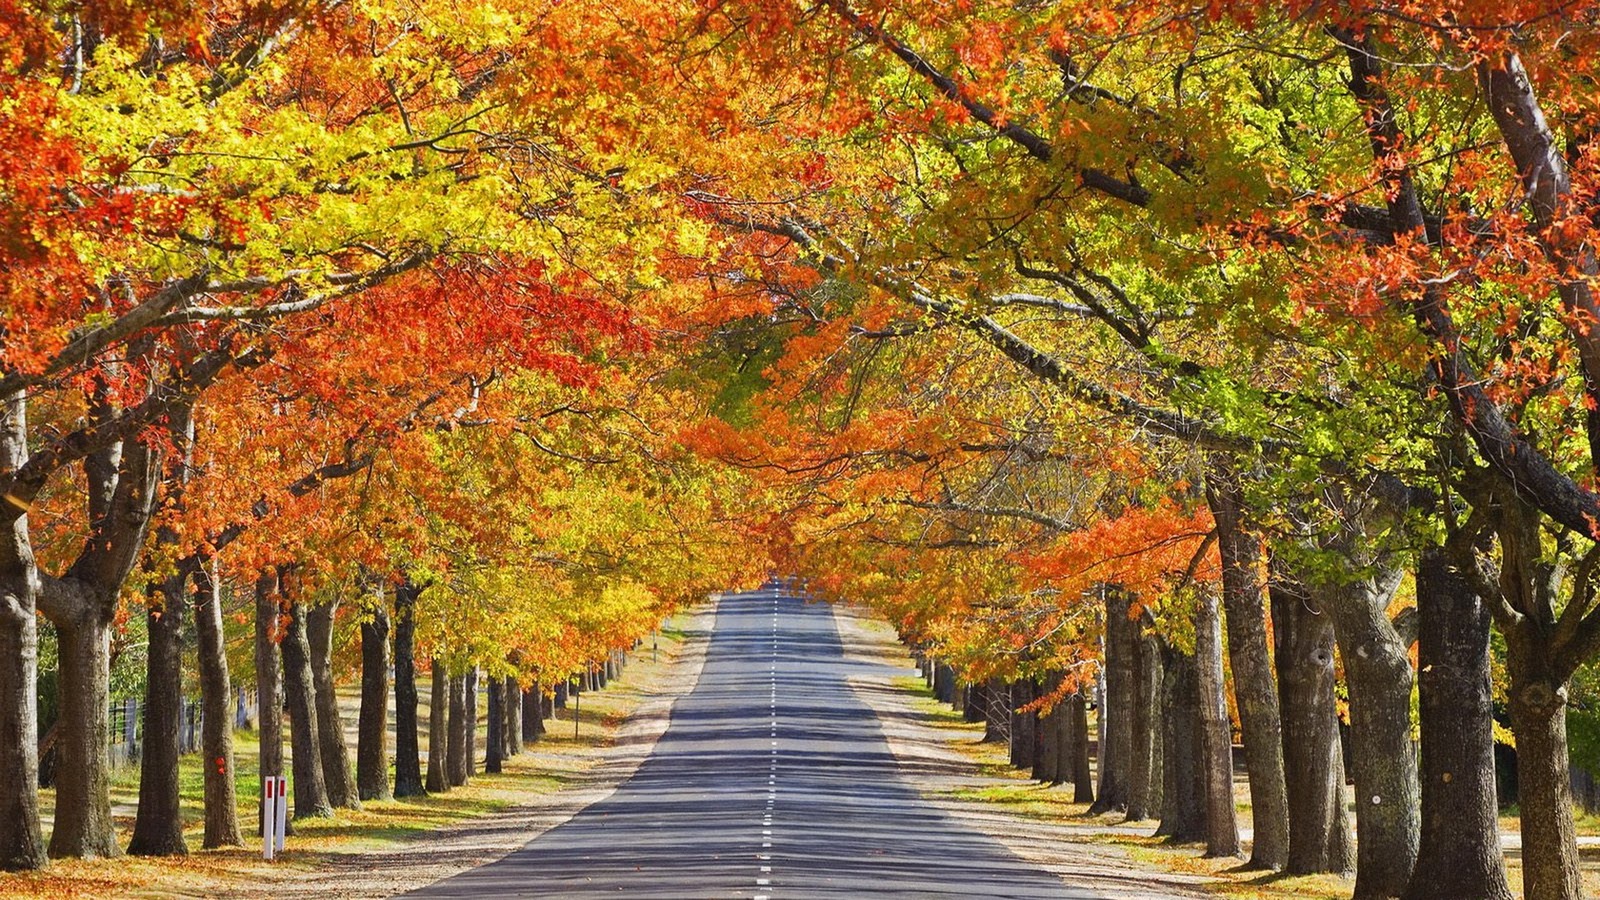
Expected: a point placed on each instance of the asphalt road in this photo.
(771, 781)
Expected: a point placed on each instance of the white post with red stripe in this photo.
(283, 810)
(269, 816)
(274, 814)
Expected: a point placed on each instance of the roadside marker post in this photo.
(283, 810)
(269, 816)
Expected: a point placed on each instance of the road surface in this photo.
(771, 781)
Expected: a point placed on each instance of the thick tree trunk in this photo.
(1144, 778)
(1544, 781)
(310, 789)
(995, 712)
(973, 701)
(1319, 823)
(471, 688)
(1116, 750)
(456, 751)
(532, 713)
(216, 730)
(21, 843)
(372, 723)
(559, 698)
(1081, 772)
(1255, 694)
(438, 730)
(336, 772)
(1216, 731)
(269, 701)
(83, 824)
(1023, 745)
(494, 740)
(1183, 819)
(1377, 671)
(158, 825)
(1047, 769)
(1459, 855)
(407, 756)
(511, 730)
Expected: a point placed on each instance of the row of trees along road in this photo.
(1156, 351)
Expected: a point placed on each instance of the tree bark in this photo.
(21, 842)
(158, 825)
(494, 740)
(216, 700)
(1022, 725)
(471, 687)
(83, 824)
(1255, 694)
(1079, 770)
(1459, 855)
(407, 756)
(269, 702)
(532, 713)
(457, 748)
(1048, 768)
(310, 789)
(335, 755)
(372, 723)
(1383, 760)
(1216, 731)
(438, 730)
(1117, 712)
(1144, 779)
(1183, 819)
(511, 730)
(996, 716)
(1319, 823)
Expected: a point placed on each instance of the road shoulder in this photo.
(931, 759)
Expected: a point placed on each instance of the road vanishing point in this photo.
(772, 781)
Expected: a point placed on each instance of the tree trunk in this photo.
(372, 724)
(269, 702)
(472, 720)
(216, 701)
(1383, 760)
(559, 700)
(973, 702)
(1048, 769)
(1538, 702)
(494, 741)
(1255, 693)
(996, 715)
(407, 756)
(1183, 819)
(21, 843)
(158, 825)
(336, 773)
(1144, 779)
(457, 749)
(1459, 855)
(532, 713)
(1319, 823)
(1078, 753)
(1022, 725)
(438, 730)
(1216, 731)
(511, 730)
(83, 824)
(310, 790)
(1116, 751)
